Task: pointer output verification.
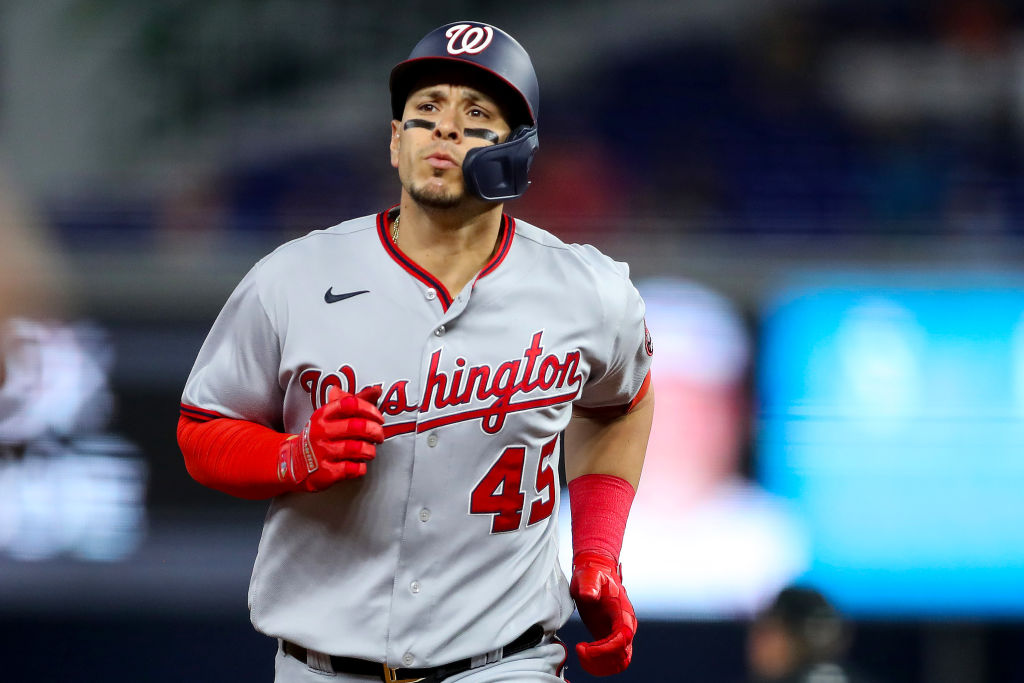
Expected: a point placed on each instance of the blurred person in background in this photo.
(67, 486)
(32, 273)
(799, 638)
(705, 540)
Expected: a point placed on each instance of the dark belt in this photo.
(361, 667)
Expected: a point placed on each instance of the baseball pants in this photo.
(541, 664)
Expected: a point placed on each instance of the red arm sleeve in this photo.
(600, 505)
(236, 457)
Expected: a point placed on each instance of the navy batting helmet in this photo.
(498, 172)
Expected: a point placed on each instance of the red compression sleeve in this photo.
(237, 457)
(600, 505)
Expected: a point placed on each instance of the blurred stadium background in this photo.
(821, 200)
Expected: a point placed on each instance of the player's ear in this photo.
(396, 128)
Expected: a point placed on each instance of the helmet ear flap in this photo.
(499, 172)
(521, 132)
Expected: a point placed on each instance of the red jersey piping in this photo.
(508, 231)
(200, 414)
(408, 264)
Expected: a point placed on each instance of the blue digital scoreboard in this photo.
(892, 418)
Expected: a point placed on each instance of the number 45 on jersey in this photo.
(499, 493)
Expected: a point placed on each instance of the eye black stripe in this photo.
(484, 133)
(419, 123)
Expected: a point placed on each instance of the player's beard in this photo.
(435, 199)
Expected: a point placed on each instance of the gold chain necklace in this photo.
(394, 228)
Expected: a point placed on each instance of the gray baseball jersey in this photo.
(447, 548)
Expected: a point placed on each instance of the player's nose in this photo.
(448, 127)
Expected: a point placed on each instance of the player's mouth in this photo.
(442, 160)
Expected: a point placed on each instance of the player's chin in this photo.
(437, 197)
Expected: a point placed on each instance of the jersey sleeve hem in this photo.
(611, 412)
(200, 414)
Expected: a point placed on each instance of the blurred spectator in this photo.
(702, 539)
(31, 272)
(799, 638)
(66, 485)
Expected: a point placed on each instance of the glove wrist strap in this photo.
(296, 459)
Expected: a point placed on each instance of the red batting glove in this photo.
(606, 612)
(336, 443)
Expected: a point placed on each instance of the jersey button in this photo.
(432, 440)
(424, 515)
(408, 659)
(414, 586)
(439, 331)
(431, 294)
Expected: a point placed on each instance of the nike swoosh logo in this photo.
(333, 298)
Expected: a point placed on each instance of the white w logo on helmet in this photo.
(472, 41)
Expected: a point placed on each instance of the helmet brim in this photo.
(406, 74)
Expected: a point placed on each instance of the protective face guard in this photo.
(499, 172)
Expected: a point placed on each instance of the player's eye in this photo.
(478, 113)
(427, 106)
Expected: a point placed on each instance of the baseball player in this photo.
(399, 385)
